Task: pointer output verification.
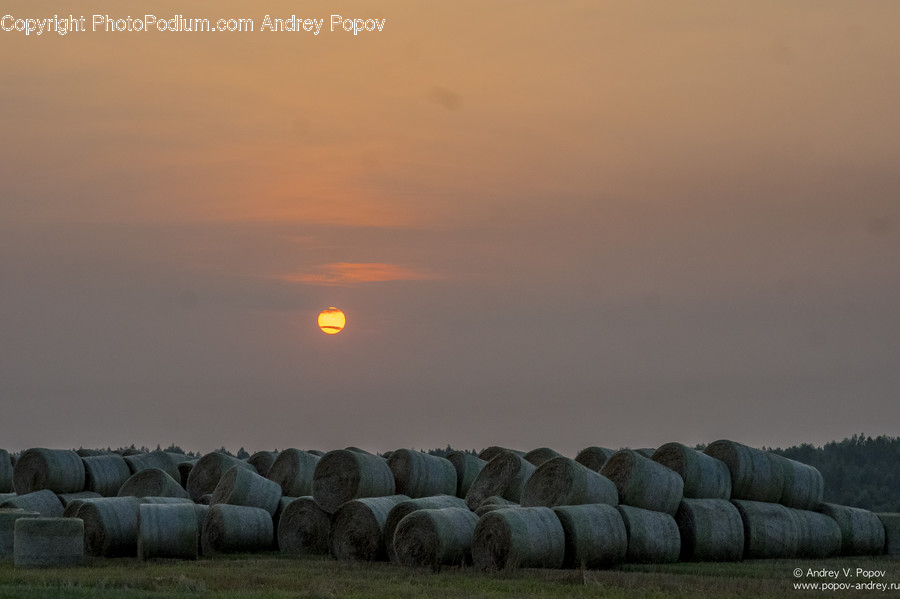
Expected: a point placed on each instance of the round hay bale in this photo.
(540, 455)
(304, 527)
(6, 472)
(563, 481)
(342, 475)
(167, 531)
(357, 528)
(241, 486)
(653, 537)
(418, 474)
(276, 517)
(205, 474)
(504, 475)
(155, 459)
(594, 457)
(755, 475)
(704, 476)
(236, 529)
(44, 502)
(48, 542)
(467, 468)
(891, 523)
(293, 469)
(818, 536)
(110, 526)
(66, 498)
(152, 482)
(770, 530)
(435, 537)
(491, 452)
(595, 535)
(518, 537)
(711, 530)
(8, 517)
(802, 485)
(71, 509)
(184, 472)
(58, 470)
(105, 474)
(862, 532)
(262, 461)
(404, 508)
(643, 483)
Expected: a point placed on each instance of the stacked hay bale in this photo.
(152, 482)
(595, 535)
(404, 508)
(155, 459)
(467, 468)
(710, 530)
(45, 502)
(262, 461)
(594, 457)
(343, 475)
(242, 486)
(105, 474)
(756, 475)
(168, 531)
(519, 537)
(304, 527)
(57, 470)
(48, 542)
(293, 470)
(653, 536)
(435, 537)
(643, 483)
(891, 523)
(704, 476)
(862, 532)
(504, 475)
(8, 517)
(110, 526)
(207, 472)
(357, 528)
(770, 529)
(818, 535)
(563, 481)
(418, 474)
(540, 455)
(236, 528)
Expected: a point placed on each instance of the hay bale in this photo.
(653, 537)
(167, 531)
(595, 535)
(236, 529)
(494, 450)
(643, 483)
(241, 486)
(58, 470)
(276, 517)
(770, 530)
(518, 537)
(155, 459)
(357, 528)
(71, 509)
(404, 508)
(342, 475)
(704, 476)
(110, 526)
(435, 537)
(44, 502)
(755, 475)
(818, 536)
(711, 530)
(594, 457)
(563, 481)
(6, 472)
(262, 461)
(105, 474)
(8, 517)
(152, 482)
(418, 474)
(540, 455)
(66, 498)
(48, 542)
(304, 527)
(184, 472)
(891, 523)
(802, 485)
(862, 532)
(504, 475)
(205, 474)
(293, 469)
(467, 468)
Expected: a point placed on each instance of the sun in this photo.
(332, 321)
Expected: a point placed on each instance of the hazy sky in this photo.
(554, 224)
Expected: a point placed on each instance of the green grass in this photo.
(279, 576)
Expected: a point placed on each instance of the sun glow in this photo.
(332, 321)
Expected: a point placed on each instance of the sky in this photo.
(549, 224)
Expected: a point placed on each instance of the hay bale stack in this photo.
(236, 529)
(8, 517)
(66, 498)
(494, 450)
(755, 475)
(418, 474)
(241, 486)
(643, 483)
(110, 526)
(563, 481)
(304, 527)
(818, 536)
(208, 470)
(342, 475)
(770, 530)
(184, 472)
(293, 469)
(653, 537)
(595, 535)
(58, 470)
(467, 468)
(504, 475)
(404, 508)
(711, 530)
(105, 474)
(518, 537)
(802, 485)
(152, 482)
(155, 459)
(540, 455)
(262, 461)
(48, 542)
(594, 457)
(704, 476)
(891, 523)
(6, 472)
(435, 537)
(168, 531)
(357, 528)
(862, 532)
(44, 502)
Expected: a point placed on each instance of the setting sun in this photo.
(331, 321)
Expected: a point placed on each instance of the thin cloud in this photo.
(354, 273)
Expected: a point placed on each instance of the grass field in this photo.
(275, 575)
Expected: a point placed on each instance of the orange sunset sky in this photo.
(549, 224)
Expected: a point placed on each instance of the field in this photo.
(278, 576)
